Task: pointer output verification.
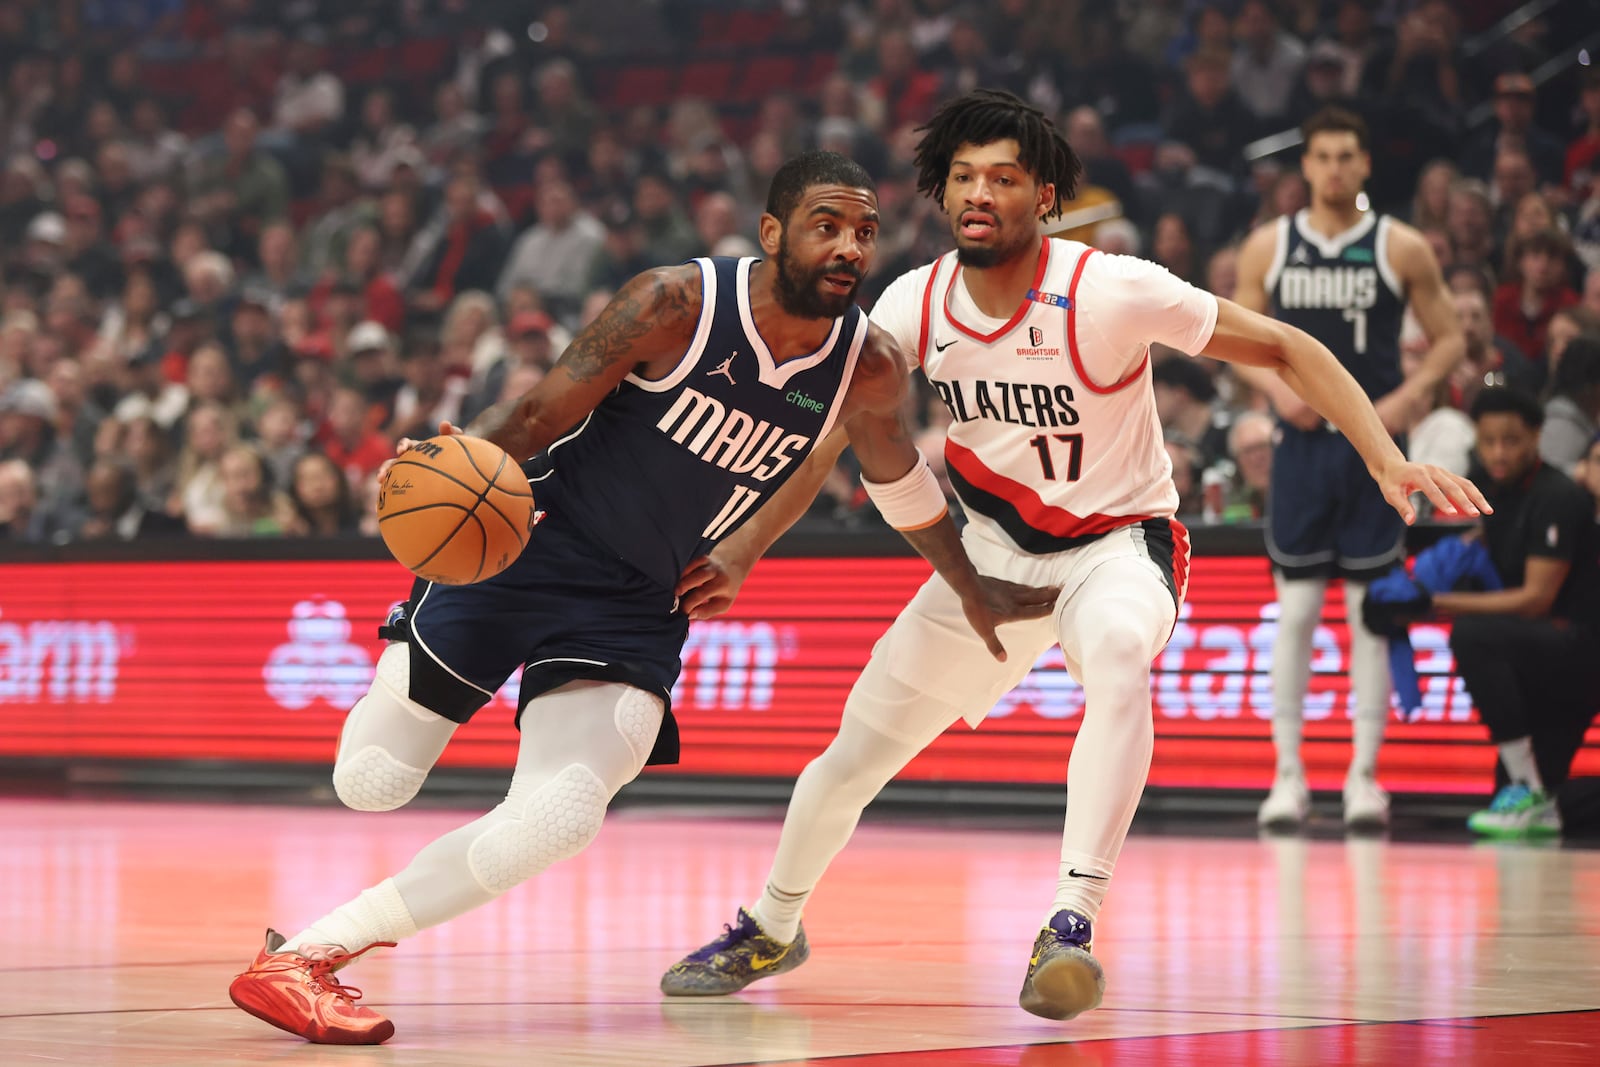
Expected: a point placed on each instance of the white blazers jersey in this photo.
(1054, 438)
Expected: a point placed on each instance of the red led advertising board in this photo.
(257, 661)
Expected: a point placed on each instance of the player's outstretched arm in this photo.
(1252, 340)
(1250, 291)
(900, 483)
(650, 321)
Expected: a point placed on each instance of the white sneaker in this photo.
(1366, 804)
(1288, 804)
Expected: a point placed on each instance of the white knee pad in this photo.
(371, 779)
(557, 821)
(638, 718)
(389, 741)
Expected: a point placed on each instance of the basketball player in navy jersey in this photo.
(669, 421)
(1040, 349)
(1344, 275)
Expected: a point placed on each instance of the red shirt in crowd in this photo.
(1527, 334)
(361, 460)
(383, 302)
(1583, 163)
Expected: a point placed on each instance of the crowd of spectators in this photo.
(246, 246)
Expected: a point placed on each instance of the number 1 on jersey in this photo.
(1074, 454)
(1358, 318)
(740, 502)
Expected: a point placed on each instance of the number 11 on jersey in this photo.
(742, 500)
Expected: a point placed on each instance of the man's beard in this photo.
(980, 256)
(799, 291)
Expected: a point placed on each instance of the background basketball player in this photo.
(665, 424)
(1040, 349)
(1344, 275)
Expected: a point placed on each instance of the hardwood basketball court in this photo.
(123, 923)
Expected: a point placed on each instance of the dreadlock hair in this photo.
(985, 116)
(809, 169)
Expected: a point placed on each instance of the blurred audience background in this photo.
(245, 246)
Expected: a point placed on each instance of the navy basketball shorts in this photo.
(1326, 517)
(567, 609)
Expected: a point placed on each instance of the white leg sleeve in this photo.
(834, 788)
(580, 744)
(1299, 611)
(389, 742)
(1111, 627)
(1369, 676)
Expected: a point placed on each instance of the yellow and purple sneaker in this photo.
(1064, 980)
(740, 956)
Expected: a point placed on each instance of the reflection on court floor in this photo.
(124, 922)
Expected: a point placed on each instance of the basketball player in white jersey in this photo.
(1040, 349)
(1346, 275)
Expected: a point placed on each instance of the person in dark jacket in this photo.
(1529, 653)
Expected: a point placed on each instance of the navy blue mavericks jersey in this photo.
(663, 470)
(1342, 291)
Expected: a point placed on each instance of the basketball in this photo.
(455, 510)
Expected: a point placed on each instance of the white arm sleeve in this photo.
(1131, 303)
(899, 313)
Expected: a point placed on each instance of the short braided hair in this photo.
(808, 169)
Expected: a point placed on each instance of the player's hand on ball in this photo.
(709, 586)
(1452, 495)
(406, 444)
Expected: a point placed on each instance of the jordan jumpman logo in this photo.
(725, 368)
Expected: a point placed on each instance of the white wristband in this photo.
(912, 502)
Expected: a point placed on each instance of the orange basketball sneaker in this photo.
(298, 993)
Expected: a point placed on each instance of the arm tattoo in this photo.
(611, 336)
(676, 304)
(644, 304)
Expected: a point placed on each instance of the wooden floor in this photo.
(122, 924)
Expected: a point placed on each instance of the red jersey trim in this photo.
(927, 312)
(1046, 518)
(1072, 338)
(1180, 557)
(1022, 308)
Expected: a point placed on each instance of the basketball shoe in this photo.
(1064, 980)
(1366, 803)
(296, 991)
(740, 956)
(1518, 811)
(1288, 805)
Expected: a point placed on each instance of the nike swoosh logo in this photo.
(1073, 872)
(761, 963)
(937, 347)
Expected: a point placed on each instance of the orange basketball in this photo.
(455, 510)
